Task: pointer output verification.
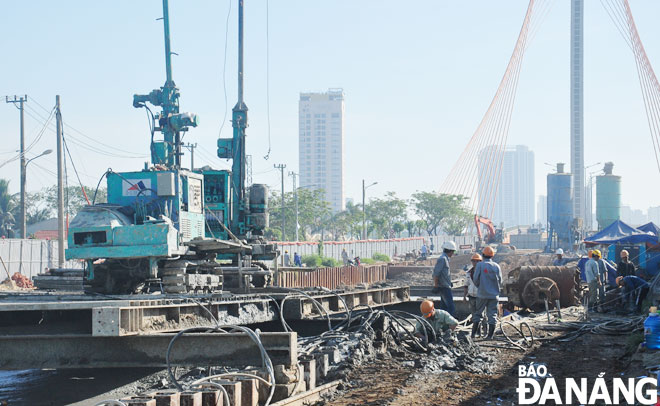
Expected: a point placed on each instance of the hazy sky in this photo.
(417, 76)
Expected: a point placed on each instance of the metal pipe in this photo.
(240, 51)
(168, 53)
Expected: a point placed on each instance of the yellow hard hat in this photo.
(624, 253)
(427, 308)
(596, 253)
(476, 257)
(488, 251)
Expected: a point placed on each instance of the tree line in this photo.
(425, 213)
(40, 206)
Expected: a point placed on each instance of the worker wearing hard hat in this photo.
(634, 291)
(488, 279)
(559, 261)
(602, 271)
(440, 320)
(594, 280)
(470, 289)
(625, 267)
(442, 276)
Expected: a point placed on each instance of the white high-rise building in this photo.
(514, 202)
(321, 144)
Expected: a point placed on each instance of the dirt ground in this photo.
(507, 262)
(389, 382)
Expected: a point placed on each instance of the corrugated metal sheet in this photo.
(332, 278)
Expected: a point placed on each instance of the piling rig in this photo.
(166, 227)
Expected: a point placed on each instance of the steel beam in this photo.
(83, 351)
(132, 317)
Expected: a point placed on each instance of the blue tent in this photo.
(621, 233)
(650, 227)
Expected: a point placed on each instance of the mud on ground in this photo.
(389, 382)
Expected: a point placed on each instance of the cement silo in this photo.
(608, 197)
(560, 207)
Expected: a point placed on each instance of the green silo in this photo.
(608, 197)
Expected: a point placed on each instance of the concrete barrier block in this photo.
(233, 389)
(249, 392)
(309, 371)
(139, 401)
(167, 398)
(212, 397)
(191, 399)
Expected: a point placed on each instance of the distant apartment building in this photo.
(321, 144)
(514, 201)
(542, 210)
(633, 217)
(654, 214)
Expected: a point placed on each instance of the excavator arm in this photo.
(490, 228)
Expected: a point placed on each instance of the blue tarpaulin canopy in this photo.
(650, 227)
(621, 233)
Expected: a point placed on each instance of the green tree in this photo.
(313, 212)
(420, 226)
(398, 228)
(8, 210)
(47, 199)
(384, 213)
(457, 221)
(439, 210)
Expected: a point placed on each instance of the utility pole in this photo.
(281, 168)
(60, 186)
(295, 198)
(21, 100)
(191, 148)
(364, 216)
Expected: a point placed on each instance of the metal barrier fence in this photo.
(366, 248)
(30, 257)
(331, 278)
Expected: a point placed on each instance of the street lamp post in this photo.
(589, 199)
(364, 217)
(23, 183)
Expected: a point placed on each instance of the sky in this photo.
(417, 80)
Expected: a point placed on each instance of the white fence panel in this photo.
(30, 257)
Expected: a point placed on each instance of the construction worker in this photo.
(287, 259)
(344, 256)
(634, 291)
(625, 267)
(602, 271)
(470, 289)
(488, 279)
(442, 277)
(559, 261)
(424, 251)
(297, 260)
(592, 275)
(440, 320)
